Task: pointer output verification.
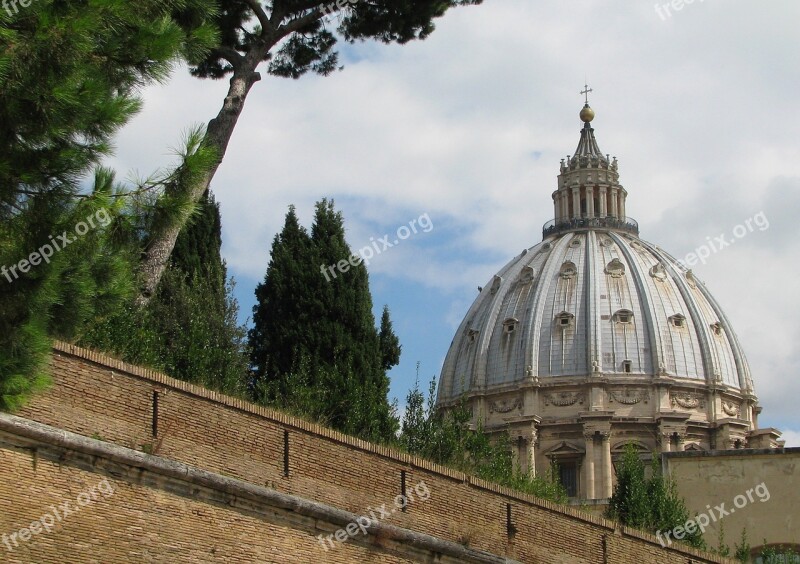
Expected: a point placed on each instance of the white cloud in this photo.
(469, 126)
(792, 437)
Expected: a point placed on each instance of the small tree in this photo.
(778, 554)
(445, 437)
(652, 505)
(742, 549)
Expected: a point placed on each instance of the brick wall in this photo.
(140, 523)
(94, 395)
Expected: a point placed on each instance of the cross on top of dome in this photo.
(587, 113)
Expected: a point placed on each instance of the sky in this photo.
(463, 133)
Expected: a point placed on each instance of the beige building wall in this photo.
(760, 490)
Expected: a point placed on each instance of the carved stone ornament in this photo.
(563, 399)
(496, 281)
(657, 271)
(687, 400)
(504, 406)
(527, 275)
(629, 396)
(731, 408)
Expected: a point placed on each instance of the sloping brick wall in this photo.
(94, 395)
(67, 497)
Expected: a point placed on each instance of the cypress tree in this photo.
(649, 504)
(390, 344)
(314, 330)
(278, 339)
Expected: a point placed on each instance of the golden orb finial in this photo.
(587, 114)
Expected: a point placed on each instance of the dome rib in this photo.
(587, 145)
(593, 344)
(645, 300)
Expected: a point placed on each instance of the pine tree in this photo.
(629, 502)
(69, 75)
(190, 330)
(292, 38)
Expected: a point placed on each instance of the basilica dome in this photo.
(595, 335)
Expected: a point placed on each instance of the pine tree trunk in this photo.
(218, 135)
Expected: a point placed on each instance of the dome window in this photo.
(472, 334)
(565, 319)
(510, 325)
(677, 320)
(716, 328)
(623, 316)
(626, 366)
(568, 270)
(615, 268)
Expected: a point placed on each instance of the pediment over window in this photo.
(623, 316)
(564, 449)
(678, 320)
(639, 446)
(565, 320)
